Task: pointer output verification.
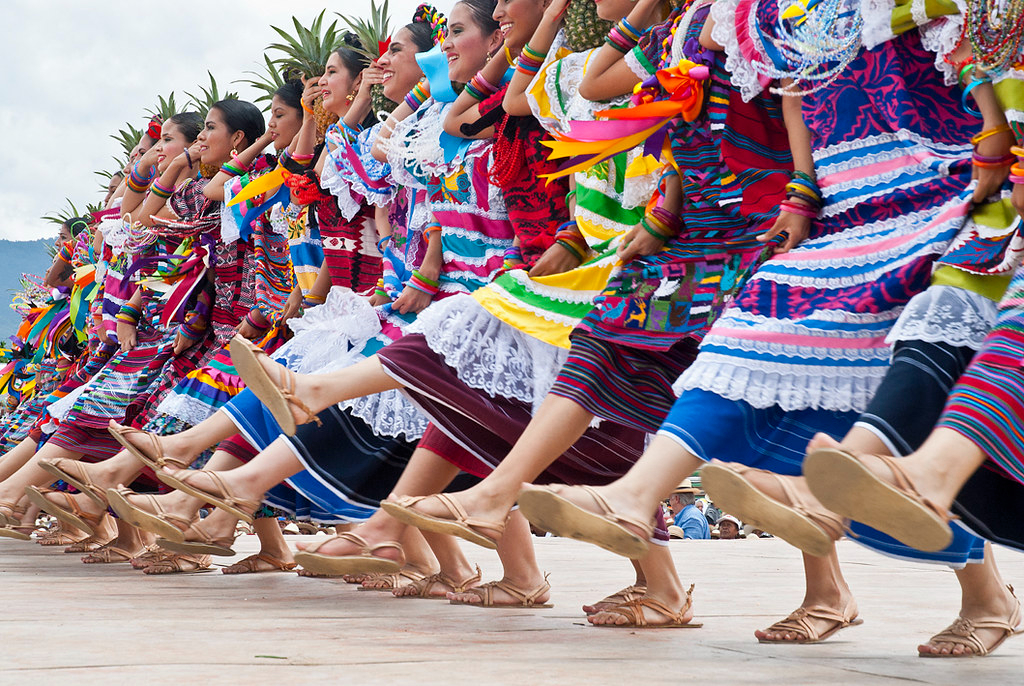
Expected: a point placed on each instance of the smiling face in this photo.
(401, 72)
(172, 142)
(613, 10)
(336, 84)
(284, 123)
(217, 140)
(467, 46)
(518, 19)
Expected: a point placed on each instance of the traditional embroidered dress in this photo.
(803, 347)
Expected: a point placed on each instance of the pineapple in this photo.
(305, 54)
(165, 107)
(373, 33)
(583, 28)
(209, 96)
(269, 82)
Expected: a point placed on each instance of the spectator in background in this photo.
(686, 515)
(728, 527)
(712, 513)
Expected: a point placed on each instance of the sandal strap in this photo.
(463, 517)
(608, 513)
(223, 492)
(197, 529)
(833, 524)
(633, 610)
(799, 621)
(906, 487)
(525, 598)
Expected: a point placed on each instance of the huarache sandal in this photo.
(796, 521)
(87, 545)
(963, 632)
(177, 564)
(71, 513)
(150, 554)
(364, 562)
(633, 611)
(843, 484)
(384, 581)
(11, 519)
(627, 594)
(423, 587)
(155, 519)
(154, 458)
(222, 498)
(59, 536)
(460, 524)
(798, 622)
(258, 563)
(278, 397)
(526, 599)
(197, 541)
(75, 474)
(109, 554)
(604, 528)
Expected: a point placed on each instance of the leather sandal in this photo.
(796, 521)
(197, 541)
(527, 599)
(9, 519)
(70, 513)
(178, 564)
(222, 498)
(251, 565)
(799, 622)
(633, 611)
(424, 586)
(963, 632)
(551, 512)
(843, 484)
(364, 562)
(155, 458)
(87, 545)
(626, 595)
(389, 581)
(150, 555)
(74, 473)
(155, 519)
(20, 533)
(460, 524)
(279, 396)
(109, 554)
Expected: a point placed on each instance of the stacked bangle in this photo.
(661, 223)
(1002, 128)
(431, 228)
(530, 61)
(480, 88)
(989, 162)
(513, 257)
(623, 37)
(137, 182)
(190, 333)
(417, 96)
(233, 168)
(251, 321)
(975, 82)
(159, 190)
(1017, 170)
(423, 284)
(128, 314)
(802, 210)
(803, 187)
(572, 241)
(379, 288)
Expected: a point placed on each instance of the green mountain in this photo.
(16, 258)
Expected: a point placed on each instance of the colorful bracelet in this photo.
(159, 190)
(430, 228)
(417, 96)
(479, 88)
(977, 81)
(232, 169)
(988, 162)
(136, 181)
(423, 284)
(645, 222)
(1002, 128)
(528, 67)
(513, 254)
(306, 107)
(254, 324)
(190, 333)
(188, 158)
(794, 208)
(1016, 179)
(671, 222)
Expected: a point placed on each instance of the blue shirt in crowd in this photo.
(693, 523)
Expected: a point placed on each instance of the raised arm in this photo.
(608, 75)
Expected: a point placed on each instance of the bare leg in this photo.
(640, 583)
(558, 424)
(272, 544)
(13, 487)
(826, 587)
(16, 457)
(254, 478)
(129, 539)
(184, 447)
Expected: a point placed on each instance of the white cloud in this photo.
(75, 72)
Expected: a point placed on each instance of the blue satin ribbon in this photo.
(281, 197)
(434, 64)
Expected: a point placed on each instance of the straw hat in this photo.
(686, 487)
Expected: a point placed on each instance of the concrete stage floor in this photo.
(65, 622)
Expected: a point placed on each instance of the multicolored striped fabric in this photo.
(809, 328)
(987, 404)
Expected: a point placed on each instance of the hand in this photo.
(377, 299)
(195, 152)
(638, 243)
(411, 300)
(990, 179)
(292, 308)
(311, 91)
(371, 76)
(182, 343)
(555, 260)
(103, 335)
(795, 226)
(247, 330)
(127, 336)
(555, 12)
(147, 161)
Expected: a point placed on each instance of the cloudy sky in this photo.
(76, 72)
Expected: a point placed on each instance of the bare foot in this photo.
(678, 609)
(505, 593)
(373, 535)
(625, 595)
(811, 622)
(262, 561)
(438, 585)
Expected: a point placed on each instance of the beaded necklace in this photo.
(817, 41)
(995, 30)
